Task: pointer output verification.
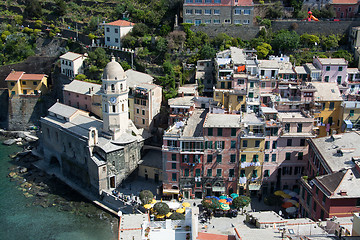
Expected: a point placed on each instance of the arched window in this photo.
(105, 87)
(113, 108)
(122, 108)
(112, 87)
(121, 88)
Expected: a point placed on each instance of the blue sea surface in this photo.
(19, 219)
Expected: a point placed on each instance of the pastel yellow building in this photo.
(329, 112)
(251, 157)
(20, 83)
(230, 99)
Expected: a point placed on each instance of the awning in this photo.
(348, 124)
(171, 191)
(254, 187)
(218, 189)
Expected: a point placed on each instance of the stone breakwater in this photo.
(48, 192)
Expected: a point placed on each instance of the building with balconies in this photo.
(351, 116)
(205, 75)
(182, 153)
(292, 148)
(272, 128)
(217, 12)
(180, 108)
(332, 172)
(328, 109)
(352, 92)
(251, 155)
(221, 135)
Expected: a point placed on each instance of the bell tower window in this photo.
(113, 108)
(113, 87)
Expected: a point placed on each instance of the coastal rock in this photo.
(9, 142)
(12, 174)
(42, 194)
(23, 170)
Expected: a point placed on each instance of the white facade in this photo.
(72, 64)
(114, 31)
(114, 99)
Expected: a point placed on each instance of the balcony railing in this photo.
(170, 148)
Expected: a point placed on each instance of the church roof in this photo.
(113, 71)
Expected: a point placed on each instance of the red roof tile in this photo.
(32, 76)
(14, 76)
(345, 2)
(121, 23)
(211, 236)
(244, 3)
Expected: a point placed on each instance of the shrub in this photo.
(146, 196)
(38, 23)
(161, 208)
(177, 216)
(80, 77)
(91, 36)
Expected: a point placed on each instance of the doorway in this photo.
(156, 177)
(112, 182)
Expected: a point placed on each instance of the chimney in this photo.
(90, 90)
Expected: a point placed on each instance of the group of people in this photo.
(127, 199)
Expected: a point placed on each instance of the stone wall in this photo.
(320, 27)
(301, 27)
(243, 32)
(24, 111)
(4, 96)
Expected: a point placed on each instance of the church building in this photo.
(97, 155)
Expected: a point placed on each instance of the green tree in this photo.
(344, 54)
(286, 41)
(177, 216)
(161, 208)
(80, 77)
(241, 202)
(207, 52)
(60, 7)
(168, 68)
(125, 65)
(330, 42)
(275, 11)
(98, 57)
(146, 196)
(263, 50)
(33, 9)
(140, 30)
(309, 40)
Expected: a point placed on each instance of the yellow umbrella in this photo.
(147, 206)
(180, 210)
(168, 214)
(160, 216)
(186, 204)
(153, 201)
(279, 193)
(285, 195)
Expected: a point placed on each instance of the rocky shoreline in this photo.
(45, 190)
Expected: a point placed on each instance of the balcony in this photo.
(192, 150)
(306, 182)
(170, 148)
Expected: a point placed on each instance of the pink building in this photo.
(84, 96)
(332, 69)
(345, 8)
(292, 148)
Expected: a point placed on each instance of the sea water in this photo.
(19, 219)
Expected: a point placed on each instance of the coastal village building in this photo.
(83, 95)
(204, 75)
(217, 12)
(24, 84)
(114, 31)
(151, 166)
(180, 108)
(351, 116)
(72, 64)
(97, 155)
(332, 172)
(144, 99)
(345, 8)
(328, 108)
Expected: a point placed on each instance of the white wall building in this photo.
(116, 30)
(72, 64)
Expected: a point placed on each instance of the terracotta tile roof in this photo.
(244, 3)
(32, 76)
(14, 76)
(121, 23)
(211, 236)
(345, 2)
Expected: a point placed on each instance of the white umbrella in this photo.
(293, 194)
(174, 205)
(291, 210)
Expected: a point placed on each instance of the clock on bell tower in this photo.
(114, 99)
